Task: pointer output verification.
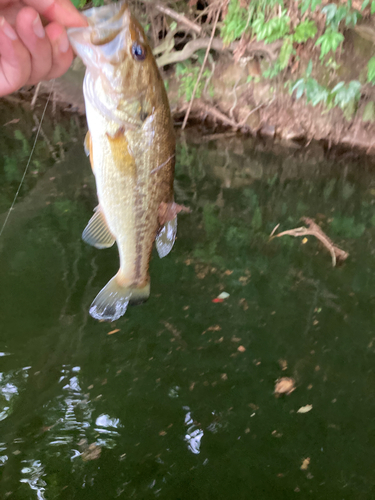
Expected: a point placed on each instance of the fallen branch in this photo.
(314, 230)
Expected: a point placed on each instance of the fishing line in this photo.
(28, 161)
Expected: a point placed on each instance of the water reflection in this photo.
(34, 471)
(193, 434)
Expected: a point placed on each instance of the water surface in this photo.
(176, 400)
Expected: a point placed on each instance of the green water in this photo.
(178, 402)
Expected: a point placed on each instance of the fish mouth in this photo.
(107, 22)
(104, 25)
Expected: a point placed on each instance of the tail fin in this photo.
(112, 301)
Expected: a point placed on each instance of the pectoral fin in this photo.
(97, 232)
(165, 239)
(167, 216)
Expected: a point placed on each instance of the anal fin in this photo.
(97, 233)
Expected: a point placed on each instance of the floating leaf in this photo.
(305, 409)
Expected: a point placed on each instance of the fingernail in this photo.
(64, 43)
(7, 29)
(38, 27)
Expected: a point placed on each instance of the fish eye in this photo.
(139, 52)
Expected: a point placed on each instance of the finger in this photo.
(15, 64)
(10, 10)
(31, 32)
(62, 53)
(62, 11)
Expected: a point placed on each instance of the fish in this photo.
(131, 144)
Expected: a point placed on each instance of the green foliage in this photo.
(315, 93)
(234, 23)
(335, 14)
(312, 4)
(371, 71)
(344, 94)
(273, 29)
(285, 52)
(366, 3)
(188, 75)
(329, 41)
(305, 30)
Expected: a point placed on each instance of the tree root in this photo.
(313, 229)
(271, 51)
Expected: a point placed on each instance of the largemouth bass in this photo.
(131, 144)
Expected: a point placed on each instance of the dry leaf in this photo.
(305, 409)
(113, 331)
(285, 385)
(305, 463)
(241, 348)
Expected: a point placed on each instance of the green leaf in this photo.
(305, 30)
(330, 12)
(371, 71)
(309, 3)
(372, 7)
(285, 52)
(329, 41)
(337, 87)
(346, 96)
(235, 22)
(300, 87)
(365, 4)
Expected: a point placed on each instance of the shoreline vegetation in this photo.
(295, 70)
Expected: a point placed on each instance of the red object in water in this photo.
(217, 300)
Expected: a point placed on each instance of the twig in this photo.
(178, 17)
(313, 229)
(35, 96)
(202, 68)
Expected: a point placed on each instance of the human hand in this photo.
(30, 52)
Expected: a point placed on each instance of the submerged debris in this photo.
(284, 385)
(314, 230)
